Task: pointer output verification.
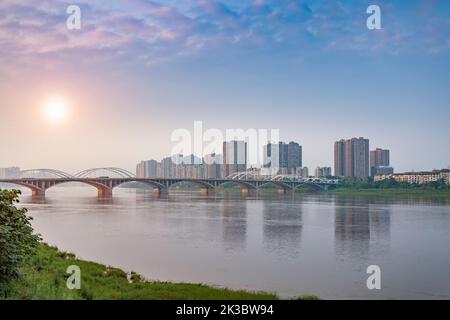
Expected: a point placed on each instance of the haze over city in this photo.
(113, 92)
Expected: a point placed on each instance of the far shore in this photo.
(382, 192)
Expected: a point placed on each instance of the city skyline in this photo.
(377, 159)
(113, 92)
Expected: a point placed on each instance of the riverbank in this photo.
(382, 192)
(44, 278)
(391, 192)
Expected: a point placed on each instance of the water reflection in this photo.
(282, 228)
(380, 224)
(234, 224)
(360, 227)
(351, 230)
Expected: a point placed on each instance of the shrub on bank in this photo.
(17, 239)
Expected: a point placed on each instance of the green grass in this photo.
(44, 277)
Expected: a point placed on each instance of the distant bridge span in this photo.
(105, 185)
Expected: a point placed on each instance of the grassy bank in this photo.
(44, 277)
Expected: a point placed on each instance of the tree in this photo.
(387, 184)
(437, 185)
(17, 239)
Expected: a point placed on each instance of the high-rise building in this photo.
(302, 172)
(10, 173)
(321, 172)
(351, 158)
(361, 161)
(283, 158)
(147, 169)
(140, 169)
(159, 173)
(189, 171)
(152, 169)
(191, 159)
(339, 158)
(189, 167)
(283, 155)
(234, 157)
(275, 158)
(167, 168)
(381, 171)
(294, 156)
(379, 158)
(213, 166)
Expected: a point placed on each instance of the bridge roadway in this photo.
(105, 185)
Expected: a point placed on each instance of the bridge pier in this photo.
(248, 192)
(207, 191)
(38, 193)
(158, 192)
(104, 193)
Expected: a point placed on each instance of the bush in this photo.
(17, 239)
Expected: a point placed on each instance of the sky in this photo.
(137, 70)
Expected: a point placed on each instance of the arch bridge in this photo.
(105, 184)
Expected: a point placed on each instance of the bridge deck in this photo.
(105, 185)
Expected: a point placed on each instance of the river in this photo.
(288, 244)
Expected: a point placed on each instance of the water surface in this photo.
(291, 245)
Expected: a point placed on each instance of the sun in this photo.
(56, 110)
